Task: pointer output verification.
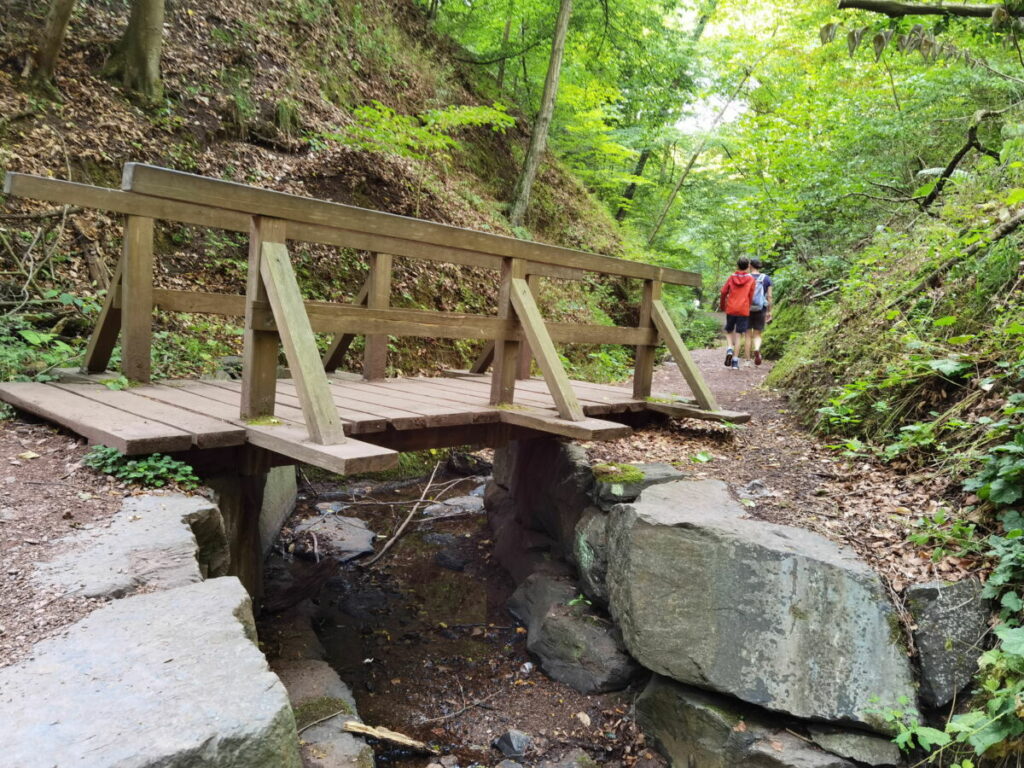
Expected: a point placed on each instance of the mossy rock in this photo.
(310, 711)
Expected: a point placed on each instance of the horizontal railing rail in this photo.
(276, 315)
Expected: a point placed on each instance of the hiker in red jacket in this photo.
(737, 294)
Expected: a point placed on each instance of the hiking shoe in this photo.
(757, 357)
(736, 364)
(728, 357)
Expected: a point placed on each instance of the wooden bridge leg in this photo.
(314, 391)
(342, 341)
(108, 326)
(375, 354)
(260, 348)
(137, 299)
(643, 374)
(525, 350)
(547, 356)
(506, 351)
(484, 359)
(667, 331)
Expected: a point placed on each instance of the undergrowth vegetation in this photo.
(917, 361)
(153, 471)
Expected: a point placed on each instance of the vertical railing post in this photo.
(525, 353)
(375, 353)
(259, 348)
(137, 299)
(506, 349)
(643, 374)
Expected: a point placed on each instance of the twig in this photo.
(345, 711)
(402, 527)
(43, 215)
(316, 548)
(456, 713)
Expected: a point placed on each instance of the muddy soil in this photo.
(424, 640)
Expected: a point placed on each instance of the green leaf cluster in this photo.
(154, 471)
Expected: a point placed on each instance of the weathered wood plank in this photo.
(299, 345)
(176, 185)
(108, 326)
(484, 359)
(165, 209)
(547, 357)
(342, 341)
(663, 322)
(348, 458)
(259, 346)
(137, 298)
(212, 390)
(206, 432)
(643, 371)
(506, 344)
(325, 317)
(552, 423)
(354, 420)
(98, 423)
(684, 411)
(375, 352)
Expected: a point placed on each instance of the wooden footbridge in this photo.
(338, 421)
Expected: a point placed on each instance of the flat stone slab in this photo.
(776, 616)
(343, 538)
(459, 505)
(172, 678)
(159, 542)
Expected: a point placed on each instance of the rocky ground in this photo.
(45, 494)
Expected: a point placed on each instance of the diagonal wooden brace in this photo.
(544, 350)
(663, 322)
(318, 409)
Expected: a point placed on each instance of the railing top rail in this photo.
(186, 187)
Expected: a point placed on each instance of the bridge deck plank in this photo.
(176, 416)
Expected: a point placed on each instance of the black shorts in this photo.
(737, 323)
(757, 318)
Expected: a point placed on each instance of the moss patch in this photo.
(310, 711)
(627, 474)
(264, 421)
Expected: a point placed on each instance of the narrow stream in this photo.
(423, 637)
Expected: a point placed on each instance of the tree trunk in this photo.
(698, 31)
(699, 149)
(896, 9)
(504, 46)
(43, 63)
(641, 163)
(141, 46)
(539, 137)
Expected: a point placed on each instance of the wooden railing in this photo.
(275, 313)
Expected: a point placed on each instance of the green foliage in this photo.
(379, 128)
(30, 354)
(153, 471)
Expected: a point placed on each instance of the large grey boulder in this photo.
(697, 728)
(776, 616)
(171, 679)
(158, 542)
(575, 645)
(950, 621)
